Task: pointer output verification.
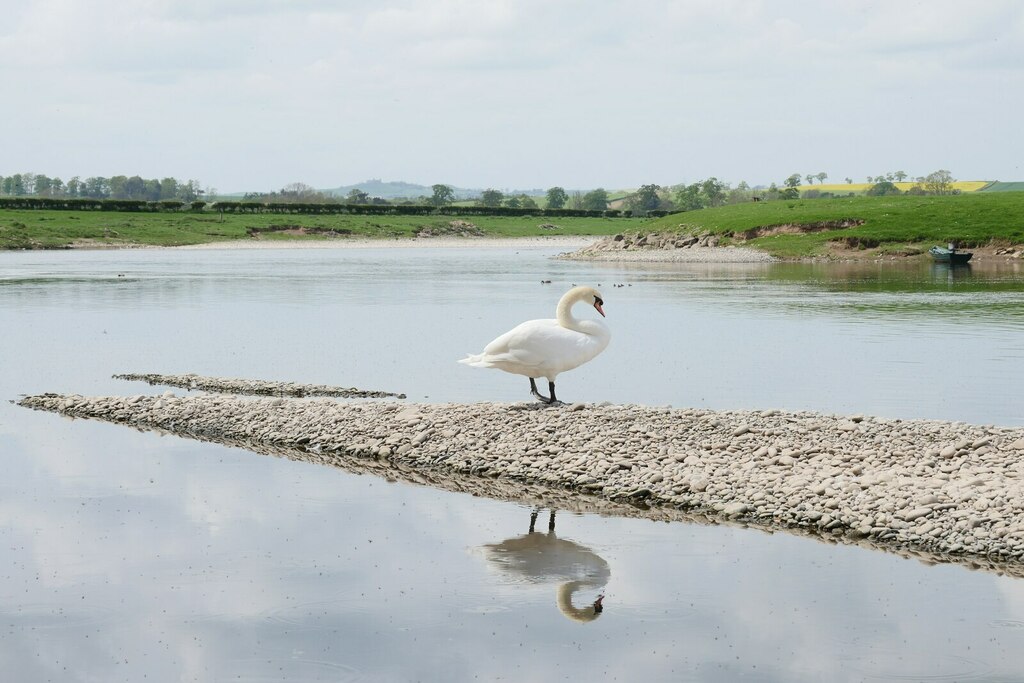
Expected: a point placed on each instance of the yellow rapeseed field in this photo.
(858, 188)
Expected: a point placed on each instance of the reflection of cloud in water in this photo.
(538, 557)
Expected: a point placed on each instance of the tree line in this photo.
(254, 207)
(935, 183)
(116, 187)
(121, 193)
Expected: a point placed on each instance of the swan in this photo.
(541, 558)
(547, 347)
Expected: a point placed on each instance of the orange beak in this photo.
(599, 309)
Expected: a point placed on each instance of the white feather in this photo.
(547, 347)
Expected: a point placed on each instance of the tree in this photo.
(689, 197)
(596, 200)
(491, 198)
(577, 200)
(17, 185)
(556, 198)
(443, 195)
(714, 191)
(513, 202)
(189, 192)
(849, 181)
(810, 178)
(135, 187)
(95, 188)
(116, 184)
(357, 196)
(527, 202)
(794, 181)
(169, 188)
(822, 177)
(739, 194)
(73, 187)
(882, 188)
(939, 182)
(900, 176)
(44, 186)
(645, 199)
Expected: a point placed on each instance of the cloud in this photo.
(472, 92)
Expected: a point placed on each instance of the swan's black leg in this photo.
(540, 397)
(551, 391)
(533, 520)
(551, 521)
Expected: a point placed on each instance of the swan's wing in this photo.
(540, 348)
(530, 344)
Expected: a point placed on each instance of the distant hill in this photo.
(397, 189)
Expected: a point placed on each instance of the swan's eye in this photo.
(599, 301)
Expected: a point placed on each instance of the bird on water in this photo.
(550, 346)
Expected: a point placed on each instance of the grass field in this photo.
(1004, 187)
(972, 219)
(58, 229)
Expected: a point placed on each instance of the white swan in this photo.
(541, 558)
(547, 347)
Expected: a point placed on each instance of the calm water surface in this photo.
(131, 556)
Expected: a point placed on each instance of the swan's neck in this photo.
(580, 614)
(564, 313)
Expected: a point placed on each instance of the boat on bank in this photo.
(950, 255)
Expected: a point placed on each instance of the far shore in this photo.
(569, 244)
(573, 247)
(541, 242)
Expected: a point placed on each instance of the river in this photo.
(128, 555)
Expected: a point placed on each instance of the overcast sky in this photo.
(255, 94)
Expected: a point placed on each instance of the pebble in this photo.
(877, 483)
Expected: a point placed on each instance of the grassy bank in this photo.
(803, 227)
(41, 229)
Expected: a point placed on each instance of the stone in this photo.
(915, 513)
(736, 509)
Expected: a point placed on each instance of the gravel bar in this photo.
(254, 387)
(935, 490)
(666, 248)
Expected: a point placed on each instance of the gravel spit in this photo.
(254, 387)
(935, 490)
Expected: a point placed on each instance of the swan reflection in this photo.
(539, 557)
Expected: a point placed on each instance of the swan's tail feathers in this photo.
(477, 360)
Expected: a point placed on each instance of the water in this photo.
(131, 556)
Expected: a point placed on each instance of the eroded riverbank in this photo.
(942, 491)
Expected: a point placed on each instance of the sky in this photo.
(251, 95)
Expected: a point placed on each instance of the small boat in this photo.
(950, 256)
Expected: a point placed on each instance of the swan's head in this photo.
(580, 614)
(591, 296)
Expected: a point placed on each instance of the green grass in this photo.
(889, 222)
(60, 229)
(1004, 187)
